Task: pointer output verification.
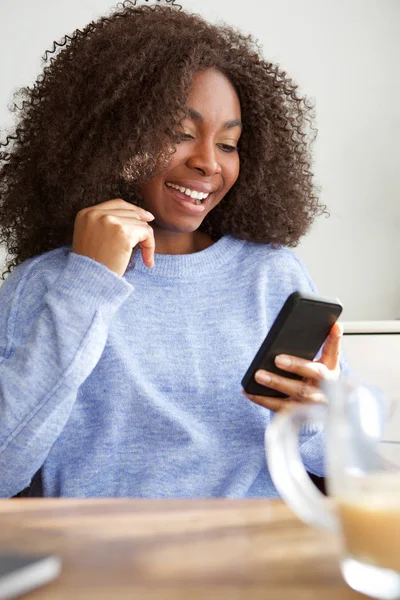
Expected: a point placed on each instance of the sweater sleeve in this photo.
(51, 338)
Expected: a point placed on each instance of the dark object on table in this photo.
(21, 573)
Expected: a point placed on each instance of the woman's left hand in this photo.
(306, 390)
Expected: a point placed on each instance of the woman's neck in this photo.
(172, 242)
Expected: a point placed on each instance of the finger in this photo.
(331, 349)
(274, 404)
(147, 247)
(301, 391)
(136, 232)
(129, 224)
(118, 203)
(304, 368)
(121, 212)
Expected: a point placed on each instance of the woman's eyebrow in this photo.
(196, 116)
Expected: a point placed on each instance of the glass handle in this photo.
(287, 469)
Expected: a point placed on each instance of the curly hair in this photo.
(104, 115)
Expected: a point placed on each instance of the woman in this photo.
(155, 132)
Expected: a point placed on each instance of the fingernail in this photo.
(149, 214)
(283, 361)
(262, 377)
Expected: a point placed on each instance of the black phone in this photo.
(300, 329)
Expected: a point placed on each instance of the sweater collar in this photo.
(185, 266)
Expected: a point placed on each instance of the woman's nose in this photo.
(204, 158)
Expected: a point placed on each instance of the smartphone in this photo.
(300, 329)
(20, 572)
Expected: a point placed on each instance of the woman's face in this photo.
(205, 164)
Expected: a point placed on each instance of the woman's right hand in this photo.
(109, 231)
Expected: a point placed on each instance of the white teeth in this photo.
(198, 196)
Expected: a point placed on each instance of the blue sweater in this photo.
(130, 386)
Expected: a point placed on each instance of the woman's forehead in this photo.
(212, 93)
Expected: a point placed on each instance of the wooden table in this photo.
(175, 549)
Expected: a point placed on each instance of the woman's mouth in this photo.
(191, 195)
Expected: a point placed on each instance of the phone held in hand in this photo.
(299, 330)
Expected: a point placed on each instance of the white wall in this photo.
(346, 55)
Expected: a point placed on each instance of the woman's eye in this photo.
(227, 147)
(185, 136)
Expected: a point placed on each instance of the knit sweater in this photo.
(130, 386)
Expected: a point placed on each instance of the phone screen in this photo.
(305, 330)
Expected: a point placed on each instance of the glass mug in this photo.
(363, 477)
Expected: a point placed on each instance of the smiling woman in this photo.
(203, 168)
(147, 209)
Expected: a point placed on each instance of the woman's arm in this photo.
(51, 338)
